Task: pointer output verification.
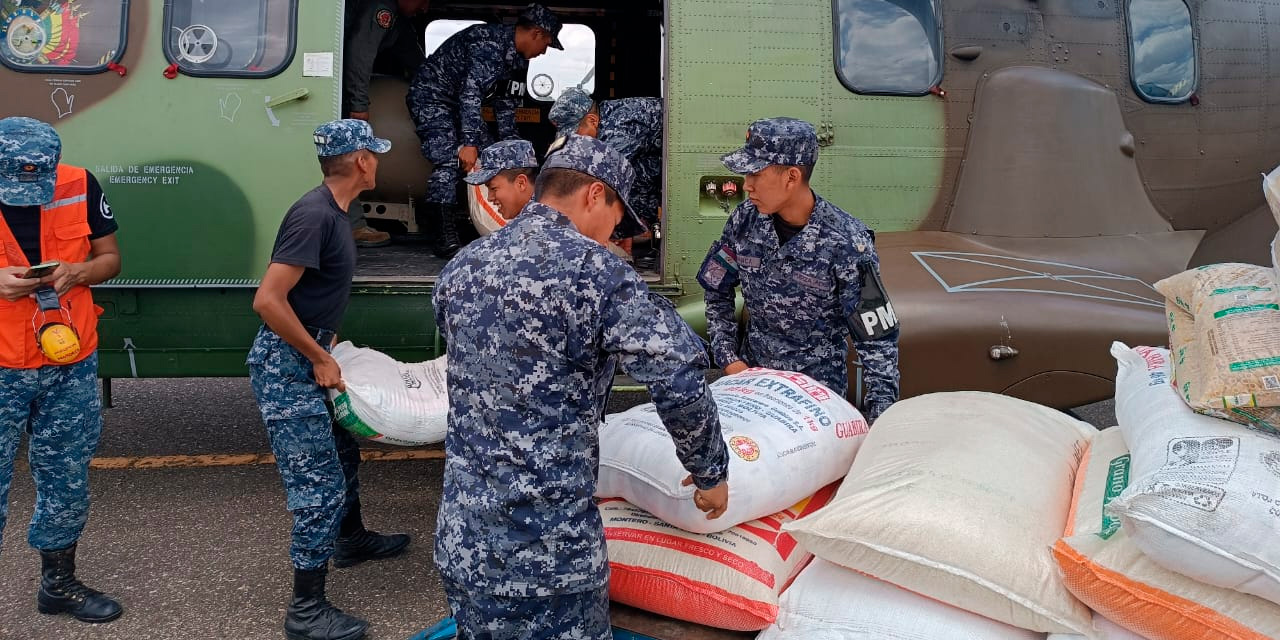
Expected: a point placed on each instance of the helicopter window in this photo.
(230, 38)
(1162, 50)
(891, 47)
(553, 72)
(50, 36)
(549, 74)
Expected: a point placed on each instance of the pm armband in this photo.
(873, 317)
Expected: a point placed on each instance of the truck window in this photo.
(230, 38)
(888, 47)
(549, 74)
(1162, 50)
(59, 36)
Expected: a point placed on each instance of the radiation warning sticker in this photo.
(745, 448)
(384, 18)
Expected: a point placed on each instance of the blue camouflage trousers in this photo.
(570, 616)
(318, 460)
(437, 126)
(61, 407)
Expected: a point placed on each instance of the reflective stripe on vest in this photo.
(64, 236)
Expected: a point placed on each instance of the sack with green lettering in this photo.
(404, 403)
(1204, 494)
(1234, 355)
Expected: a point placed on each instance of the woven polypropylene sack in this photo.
(404, 403)
(958, 497)
(1236, 313)
(788, 436)
(1204, 499)
(829, 602)
(727, 580)
(1107, 571)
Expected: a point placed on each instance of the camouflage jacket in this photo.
(476, 65)
(633, 126)
(801, 299)
(536, 317)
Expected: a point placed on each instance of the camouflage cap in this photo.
(542, 17)
(774, 141)
(570, 108)
(496, 158)
(600, 161)
(345, 136)
(29, 155)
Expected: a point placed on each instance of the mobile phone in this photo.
(41, 270)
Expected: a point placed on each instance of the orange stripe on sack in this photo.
(676, 596)
(695, 549)
(1142, 608)
(484, 204)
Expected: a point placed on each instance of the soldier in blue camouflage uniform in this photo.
(633, 126)
(302, 298)
(537, 316)
(57, 404)
(482, 63)
(508, 170)
(808, 271)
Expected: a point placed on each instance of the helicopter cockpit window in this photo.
(69, 36)
(1162, 50)
(888, 47)
(230, 38)
(549, 74)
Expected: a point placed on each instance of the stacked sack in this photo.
(789, 438)
(390, 401)
(1224, 330)
(1121, 493)
(1175, 525)
(942, 528)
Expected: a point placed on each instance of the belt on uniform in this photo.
(322, 336)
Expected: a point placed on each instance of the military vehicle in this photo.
(1030, 167)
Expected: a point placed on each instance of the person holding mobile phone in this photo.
(52, 213)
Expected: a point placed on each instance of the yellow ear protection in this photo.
(58, 340)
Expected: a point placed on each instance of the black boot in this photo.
(311, 617)
(61, 592)
(436, 220)
(356, 544)
(367, 545)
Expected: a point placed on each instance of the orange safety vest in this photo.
(64, 236)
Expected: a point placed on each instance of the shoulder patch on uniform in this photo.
(384, 18)
(719, 269)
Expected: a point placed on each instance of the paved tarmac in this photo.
(202, 551)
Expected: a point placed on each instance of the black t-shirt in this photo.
(24, 222)
(315, 234)
(785, 231)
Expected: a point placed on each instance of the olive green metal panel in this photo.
(200, 170)
(177, 332)
(732, 63)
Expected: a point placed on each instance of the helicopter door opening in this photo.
(612, 51)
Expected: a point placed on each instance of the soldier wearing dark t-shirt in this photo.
(301, 300)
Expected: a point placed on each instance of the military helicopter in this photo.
(1030, 167)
